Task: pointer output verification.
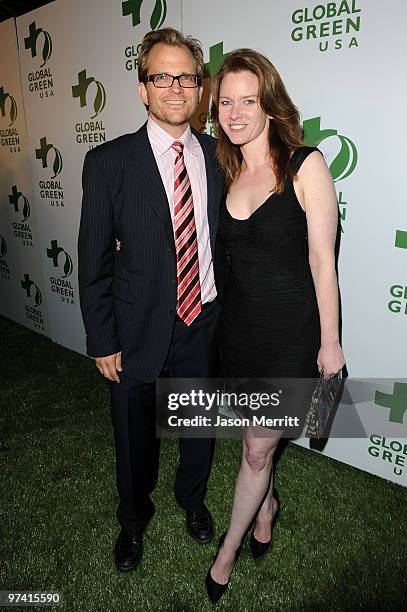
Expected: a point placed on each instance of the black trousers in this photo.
(192, 354)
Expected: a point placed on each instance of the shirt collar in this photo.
(161, 141)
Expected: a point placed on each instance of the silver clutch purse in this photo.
(324, 402)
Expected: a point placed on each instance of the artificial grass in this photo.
(339, 543)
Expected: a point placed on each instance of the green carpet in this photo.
(339, 544)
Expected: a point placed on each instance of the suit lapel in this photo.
(148, 176)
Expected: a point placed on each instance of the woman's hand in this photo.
(330, 359)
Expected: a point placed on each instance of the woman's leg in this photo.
(252, 484)
(264, 518)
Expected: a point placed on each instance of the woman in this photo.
(278, 225)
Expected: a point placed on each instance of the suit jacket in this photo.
(128, 297)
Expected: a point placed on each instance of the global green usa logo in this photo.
(46, 150)
(10, 138)
(20, 203)
(333, 24)
(81, 90)
(139, 12)
(345, 161)
(60, 257)
(90, 132)
(59, 285)
(21, 206)
(133, 8)
(8, 106)
(39, 40)
(390, 451)
(32, 290)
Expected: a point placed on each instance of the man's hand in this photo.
(109, 366)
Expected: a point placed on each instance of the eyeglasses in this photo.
(165, 80)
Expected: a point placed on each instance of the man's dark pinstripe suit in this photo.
(128, 301)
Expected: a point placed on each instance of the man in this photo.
(149, 308)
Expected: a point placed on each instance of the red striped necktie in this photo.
(186, 244)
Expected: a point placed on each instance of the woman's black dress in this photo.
(270, 322)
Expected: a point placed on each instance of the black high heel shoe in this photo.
(213, 588)
(258, 549)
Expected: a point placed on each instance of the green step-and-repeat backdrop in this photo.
(68, 81)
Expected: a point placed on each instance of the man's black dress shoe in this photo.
(128, 550)
(199, 524)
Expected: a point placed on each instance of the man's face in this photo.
(173, 107)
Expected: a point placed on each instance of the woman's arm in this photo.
(317, 192)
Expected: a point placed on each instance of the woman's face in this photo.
(240, 115)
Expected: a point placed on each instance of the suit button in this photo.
(172, 313)
(174, 280)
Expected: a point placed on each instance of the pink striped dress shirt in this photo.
(164, 155)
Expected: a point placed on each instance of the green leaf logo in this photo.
(14, 198)
(345, 162)
(38, 296)
(54, 253)
(80, 91)
(13, 111)
(30, 42)
(100, 99)
(68, 265)
(3, 247)
(57, 165)
(159, 14)
(26, 209)
(4, 96)
(47, 48)
(27, 285)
